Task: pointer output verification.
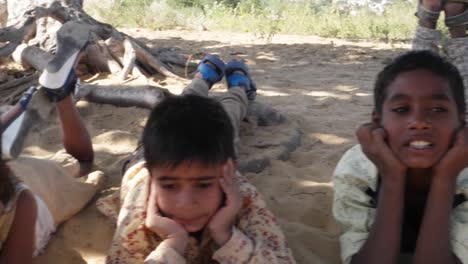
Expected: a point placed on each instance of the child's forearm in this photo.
(10, 116)
(433, 244)
(169, 251)
(383, 244)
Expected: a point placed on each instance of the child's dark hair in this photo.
(7, 188)
(188, 128)
(420, 60)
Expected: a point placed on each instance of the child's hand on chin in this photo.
(173, 233)
(456, 158)
(220, 225)
(372, 138)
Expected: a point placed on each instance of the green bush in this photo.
(266, 18)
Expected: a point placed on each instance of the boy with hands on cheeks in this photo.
(175, 232)
(182, 199)
(400, 195)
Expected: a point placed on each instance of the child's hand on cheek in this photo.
(174, 234)
(372, 138)
(456, 158)
(221, 223)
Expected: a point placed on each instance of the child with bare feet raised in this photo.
(182, 199)
(400, 195)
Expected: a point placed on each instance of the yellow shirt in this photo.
(355, 210)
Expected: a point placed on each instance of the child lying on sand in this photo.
(401, 194)
(36, 195)
(185, 202)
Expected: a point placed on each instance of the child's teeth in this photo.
(420, 144)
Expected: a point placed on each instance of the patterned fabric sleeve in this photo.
(258, 237)
(132, 242)
(459, 231)
(353, 209)
(164, 255)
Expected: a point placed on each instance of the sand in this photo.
(323, 85)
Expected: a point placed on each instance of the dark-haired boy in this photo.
(401, 194)
(185, 202)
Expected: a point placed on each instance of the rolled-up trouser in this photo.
(457, 51)
(426, 39)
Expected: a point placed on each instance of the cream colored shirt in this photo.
(355, 210)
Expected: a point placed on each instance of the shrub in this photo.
(265, 18)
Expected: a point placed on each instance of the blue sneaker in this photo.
(211, 74)
(243, 79)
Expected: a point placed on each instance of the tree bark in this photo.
(109, 49)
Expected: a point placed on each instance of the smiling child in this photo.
(401, 194)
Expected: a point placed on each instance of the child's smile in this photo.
(420, 116)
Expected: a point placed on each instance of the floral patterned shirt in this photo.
(354, 208)
(256, 236)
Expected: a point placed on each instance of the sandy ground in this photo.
(324, 85)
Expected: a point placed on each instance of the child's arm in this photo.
(257, 238)
(10, 116)
(19, 245)
(434, 241)
(171, 249)
(383, 242)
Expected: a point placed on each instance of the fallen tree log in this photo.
(109, 49)
(258, 147)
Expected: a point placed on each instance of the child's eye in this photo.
(439, 109)
(168, 186)
(204, 185)
(401, 109)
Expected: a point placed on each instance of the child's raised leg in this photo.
(75, 137)
(457, 50)
(426, 37)
(456, 17)
(241, 89)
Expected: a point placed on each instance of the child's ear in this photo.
(376, 117)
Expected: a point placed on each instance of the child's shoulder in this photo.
(462, 182)
(354, 168)
(246, 188)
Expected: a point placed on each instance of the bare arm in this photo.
(8, 117)
(433, 245)
(383, 243)
(434, 242)
(19, 246)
